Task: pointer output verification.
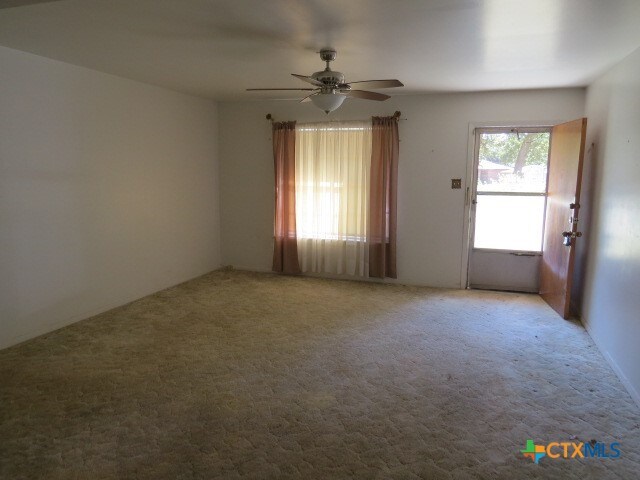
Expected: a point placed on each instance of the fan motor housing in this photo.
(329, 77)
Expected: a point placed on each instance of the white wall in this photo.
(433, 150)
(611, 218)
(108, 192)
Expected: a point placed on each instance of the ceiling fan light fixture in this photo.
(328, 102)
(330, 88)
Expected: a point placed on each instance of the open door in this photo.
(561, 220)
(507, 207)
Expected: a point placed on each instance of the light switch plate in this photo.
(456, 183)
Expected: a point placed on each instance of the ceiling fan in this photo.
(331, 89)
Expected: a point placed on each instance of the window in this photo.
(332, 180)
(332, 196)
(511, 188)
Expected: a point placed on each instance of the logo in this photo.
(533, 451)
(592, 449)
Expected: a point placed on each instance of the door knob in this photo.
(568, 236)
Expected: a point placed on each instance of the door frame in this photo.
(470, 178)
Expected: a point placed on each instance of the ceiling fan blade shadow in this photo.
(366, 95)
(310, 80)
(377, 84)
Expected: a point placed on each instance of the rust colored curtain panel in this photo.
(383, 197)
(285, 245)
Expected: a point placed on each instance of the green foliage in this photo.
(503, 148)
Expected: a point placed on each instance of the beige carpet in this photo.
(243, 375)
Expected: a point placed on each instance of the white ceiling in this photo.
(218, 48)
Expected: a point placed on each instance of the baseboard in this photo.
(61, 323)
(57, 325)
(243, 268)
(330, 276)
(502, 288)
(635, 395)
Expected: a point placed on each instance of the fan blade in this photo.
(308, 97)
(310, 80)
(265, 89)
(366, 95)
(377, 84)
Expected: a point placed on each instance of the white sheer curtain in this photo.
(332, 196)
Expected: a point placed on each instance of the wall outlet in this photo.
(456, 183)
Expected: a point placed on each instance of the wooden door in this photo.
(563, 204)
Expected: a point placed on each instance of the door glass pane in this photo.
(509, 222)
(513, 162)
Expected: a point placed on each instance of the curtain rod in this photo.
(396, 114)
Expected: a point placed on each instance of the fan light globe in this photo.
(328, 102)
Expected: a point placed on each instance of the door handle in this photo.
(568, 236)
